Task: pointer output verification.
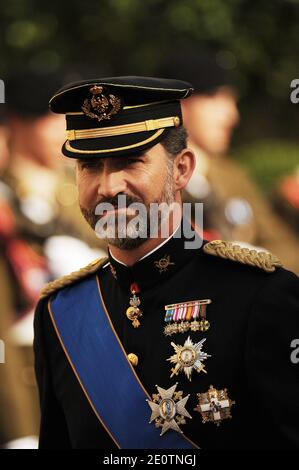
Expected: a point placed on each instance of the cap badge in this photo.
(214, 405)
(101, 106)
(188, 357)
(168, 409)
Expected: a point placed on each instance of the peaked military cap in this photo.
(115, 116)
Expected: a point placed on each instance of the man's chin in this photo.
(126, 243)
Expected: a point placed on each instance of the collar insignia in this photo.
(168, 409)
(163, 263)
(113, 271)
(101, 106)
(214, 405)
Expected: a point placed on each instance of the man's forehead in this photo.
(144, 155)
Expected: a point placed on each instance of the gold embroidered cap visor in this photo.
(118, 116)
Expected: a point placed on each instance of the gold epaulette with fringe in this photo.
(72, 277)
(261, 259)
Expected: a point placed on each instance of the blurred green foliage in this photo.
(269, 160)
(260, 37)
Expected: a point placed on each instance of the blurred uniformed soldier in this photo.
(17, 409)
(16, 404)
(286, 199)
(131, 347)
(44, 186)
(38, 208)
(233, 205)
(39, 189)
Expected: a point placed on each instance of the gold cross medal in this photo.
(188, 357)
(214, 405)
(168, 409)
(133, 312)
(186, 316)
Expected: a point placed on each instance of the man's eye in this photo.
(90, 165)
(134, 160)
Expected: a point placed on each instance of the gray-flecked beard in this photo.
(122, 236)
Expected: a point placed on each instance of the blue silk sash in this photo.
(103, 370)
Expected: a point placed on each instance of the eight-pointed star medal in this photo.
(168, 409)
(188, 357)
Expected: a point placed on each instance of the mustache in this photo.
(115, 202)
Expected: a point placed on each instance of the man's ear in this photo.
(184, 165)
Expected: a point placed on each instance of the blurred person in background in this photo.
(234, 208)
(17, 425)
(3, 143)
(286, 199)
(42, 187)
(39, 217)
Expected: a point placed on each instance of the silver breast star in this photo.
(188, 357)
(168, 409)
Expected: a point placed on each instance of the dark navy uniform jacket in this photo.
(254, 317)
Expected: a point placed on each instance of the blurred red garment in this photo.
(289, 190)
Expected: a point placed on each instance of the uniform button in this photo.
(133, 359)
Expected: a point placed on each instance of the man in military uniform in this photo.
(131, 347)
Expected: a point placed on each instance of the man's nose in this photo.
(235, 114)
(232, 113)
(111, 183)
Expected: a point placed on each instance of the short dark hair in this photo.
(175, 141)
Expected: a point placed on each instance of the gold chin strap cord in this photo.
(149, 125)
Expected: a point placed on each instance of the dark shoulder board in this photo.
(75, 276)
(227, 250)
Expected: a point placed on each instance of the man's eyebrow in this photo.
(97, 160)
(138, 155)
(89, 160)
